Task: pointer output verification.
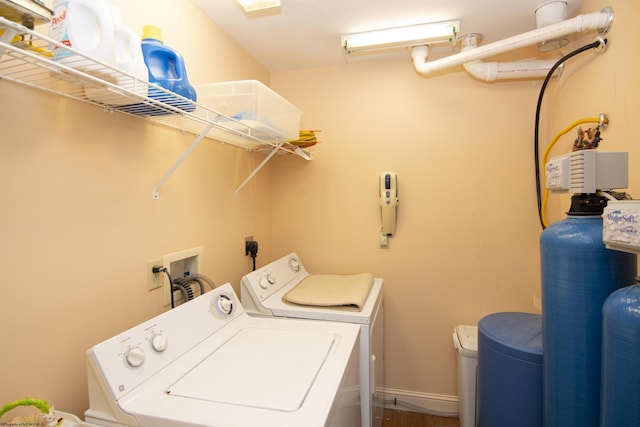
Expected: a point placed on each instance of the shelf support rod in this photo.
(178, 162)
(255, 171)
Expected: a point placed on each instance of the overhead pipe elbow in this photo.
(419, 56)
(600, 21)
(492, 71)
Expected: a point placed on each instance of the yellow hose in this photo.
(545, 155)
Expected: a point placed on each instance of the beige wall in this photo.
(77, 223)
(466, 239)
(467, 235)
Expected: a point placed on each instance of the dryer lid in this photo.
(279, 367)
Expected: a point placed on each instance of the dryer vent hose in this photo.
(184, 285)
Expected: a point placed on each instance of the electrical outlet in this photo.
(154, 280)
(246, 240)
(180, 264)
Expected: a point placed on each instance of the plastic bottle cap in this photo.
(152, 32)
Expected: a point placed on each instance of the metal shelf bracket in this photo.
(178, 162)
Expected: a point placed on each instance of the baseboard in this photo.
(436, 404)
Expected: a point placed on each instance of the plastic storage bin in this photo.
(510, 370)
(465, 340)
(270, 116)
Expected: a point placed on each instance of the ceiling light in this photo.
(253, 5)
(391, 38)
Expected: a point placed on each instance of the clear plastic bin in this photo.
(253, 104)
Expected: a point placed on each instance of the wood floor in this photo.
(397, 418)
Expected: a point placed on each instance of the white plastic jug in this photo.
(128, 48)
(86, 26)
(133, 75)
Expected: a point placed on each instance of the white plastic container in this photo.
(272, 117)
(129, 60)
(465, 340)
(84, 25)
(127, 47)
(549, 13)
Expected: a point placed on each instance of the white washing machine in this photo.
(207, 363)
(266, 291)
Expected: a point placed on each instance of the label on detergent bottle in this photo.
(58, 30)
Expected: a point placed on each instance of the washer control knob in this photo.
(222, 305)
(134, 356)
(264, 282)
(271, 279)
(159, 342)
(294, 264)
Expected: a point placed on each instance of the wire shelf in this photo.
(26, 58)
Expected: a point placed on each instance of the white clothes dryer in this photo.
(266, 291)
(207, 363)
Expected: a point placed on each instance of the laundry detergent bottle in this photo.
(129, 56)
(132, 72)
(166, 69)
(86, 26)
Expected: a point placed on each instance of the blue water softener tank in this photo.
(620, 396)
(578, 274)
(509, 384)
(167, 70)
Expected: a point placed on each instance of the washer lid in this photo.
(278, 369)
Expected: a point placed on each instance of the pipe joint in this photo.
(602, 45)
(600, 21)
(607, 11)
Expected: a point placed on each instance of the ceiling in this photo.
(306, 33)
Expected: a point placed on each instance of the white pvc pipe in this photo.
(492, 71)
(591, 21)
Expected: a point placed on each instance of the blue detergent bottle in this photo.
(167, 70)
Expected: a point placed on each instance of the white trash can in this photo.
(465, 340)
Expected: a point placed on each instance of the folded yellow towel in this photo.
(307, 138)
(332, 290)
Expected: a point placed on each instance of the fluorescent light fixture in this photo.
(254, 5)
(391, 38)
